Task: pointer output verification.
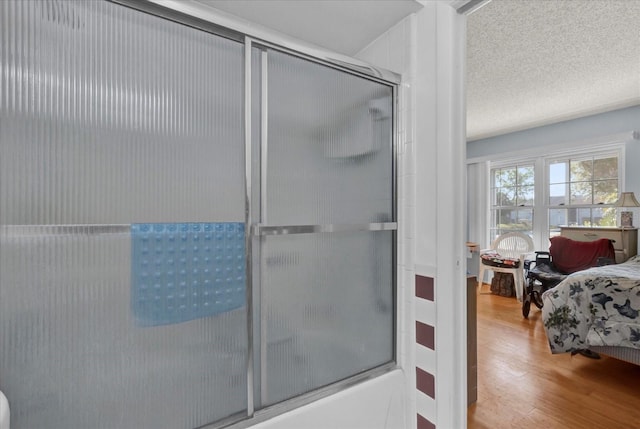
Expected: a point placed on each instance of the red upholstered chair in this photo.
(565, 256)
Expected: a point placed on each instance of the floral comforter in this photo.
(595, 307)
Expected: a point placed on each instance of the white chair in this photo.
(514, 246)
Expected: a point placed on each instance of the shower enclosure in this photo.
(194, 226)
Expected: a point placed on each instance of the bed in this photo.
(597, 309)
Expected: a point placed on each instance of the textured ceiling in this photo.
(532, 63)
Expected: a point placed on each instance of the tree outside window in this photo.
(582, 192)
(512, 199)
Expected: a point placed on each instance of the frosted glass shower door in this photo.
(122, 210)
(326, 226)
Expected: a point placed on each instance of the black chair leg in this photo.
(526, 299)
(526, 306)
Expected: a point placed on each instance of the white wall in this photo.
(445, 142)
(575, 130)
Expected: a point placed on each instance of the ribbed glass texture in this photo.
(328, 304)
(113, 116)
(327, 298)
(73, 356)
(110, 117)
(329, 146)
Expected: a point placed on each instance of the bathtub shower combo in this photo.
(195, 225)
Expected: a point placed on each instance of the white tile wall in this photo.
(395, 50)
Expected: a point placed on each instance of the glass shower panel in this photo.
(328, 302)
(112, 116)
(329, 146)
(327, 298)
(122, 208)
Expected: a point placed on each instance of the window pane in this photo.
(581, 193)
(505, 177)
(516, 190)
(605, 168)
(605, 191)
(525, 196)
(571, 217)
(583, 217)
(525, 220)
(592, 182)
(581, 170)
(604, 216)
(525, 175)
(506, 220)
(558, 194)
(507, 196)
(508, 217)
(558, 217)
(558, 172)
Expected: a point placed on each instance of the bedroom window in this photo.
(582, 191)
(512, 199)
(538, 194)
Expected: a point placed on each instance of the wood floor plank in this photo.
(521, 384)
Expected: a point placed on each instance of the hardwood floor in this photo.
(522, 385)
